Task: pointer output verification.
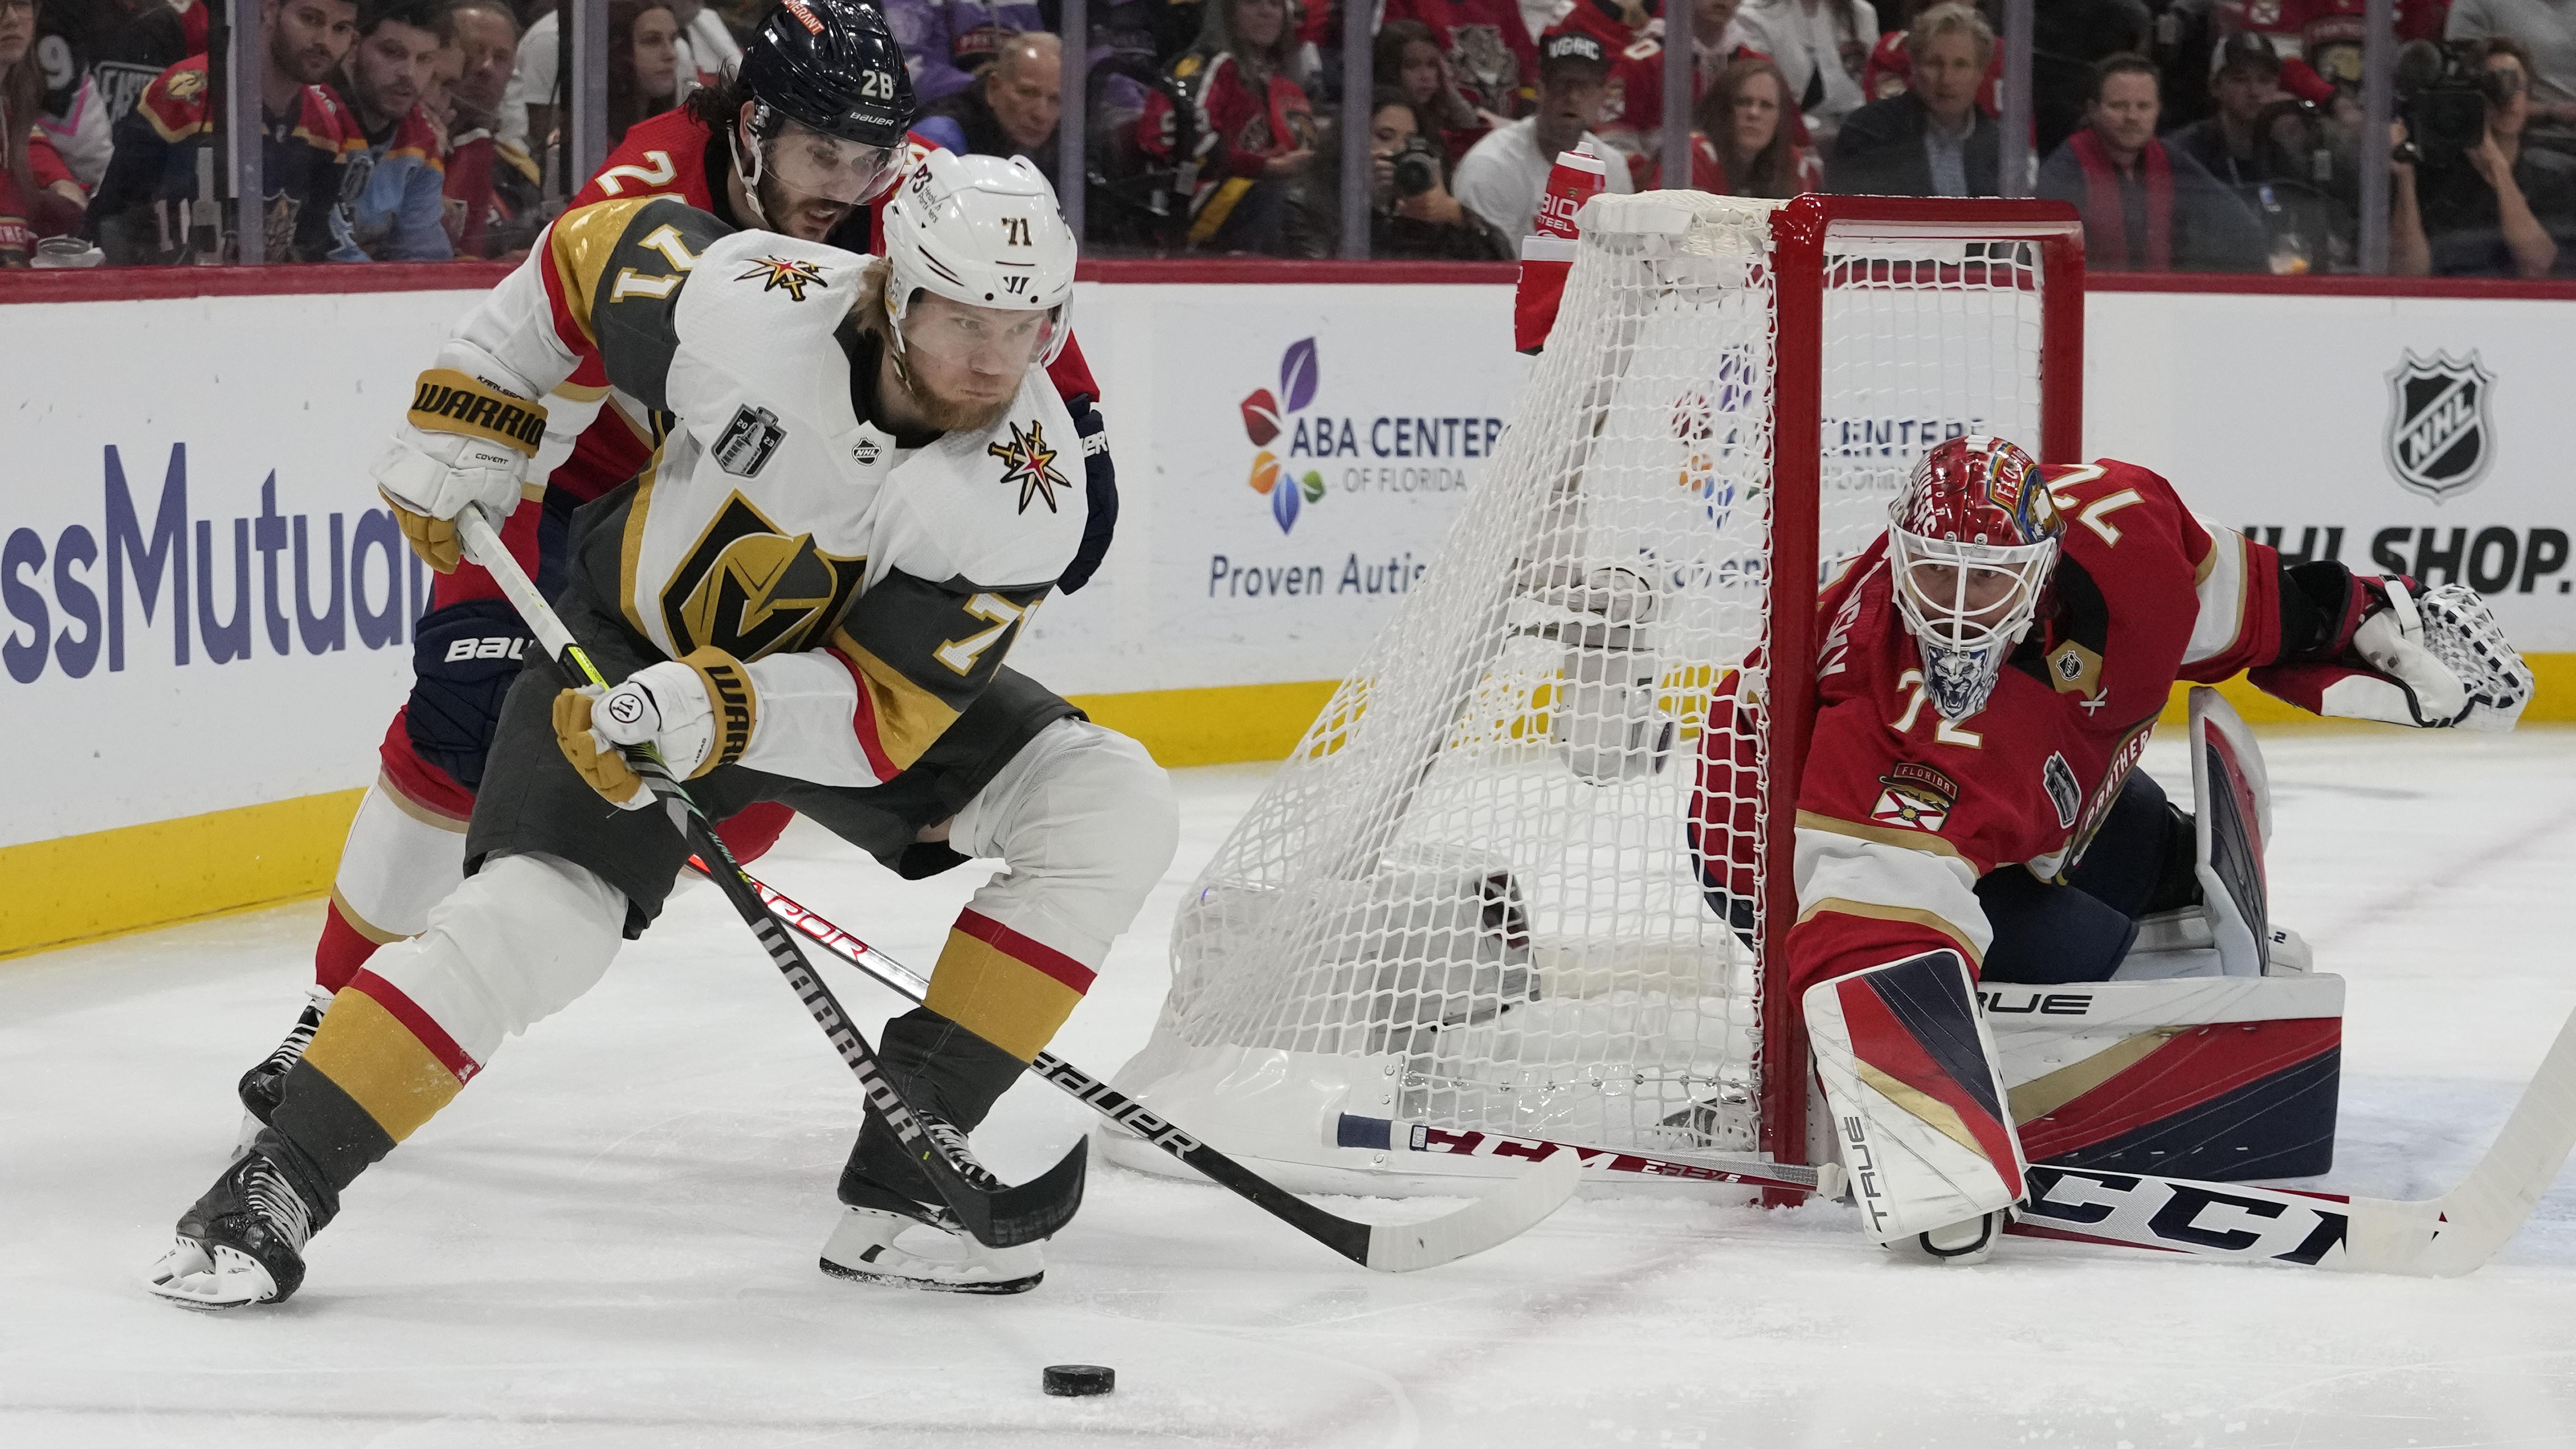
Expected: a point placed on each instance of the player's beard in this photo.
(810, 217)
(951, 416)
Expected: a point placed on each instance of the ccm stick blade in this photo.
(998, 1215)
(2441, 1237)
(1499, 1216)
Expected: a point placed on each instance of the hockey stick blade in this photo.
(1501, 1215)
(998, 1215)
(2446, 1236)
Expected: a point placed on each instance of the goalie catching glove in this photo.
(2433, 659)
(695, 713)
(466, 443)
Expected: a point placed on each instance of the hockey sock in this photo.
(1009, 989)
(950, 1075)
(376, 1071)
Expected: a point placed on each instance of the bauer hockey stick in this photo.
(2440, 1237)
(999, 1216)
(1497, 1217)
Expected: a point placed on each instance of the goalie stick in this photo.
(2440, 1237)
(999, 1215)
(1496, 1218)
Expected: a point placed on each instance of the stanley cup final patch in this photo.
(2440, 435)
(1915, 797)
(744, 447)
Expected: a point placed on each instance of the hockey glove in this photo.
(466, 443)
(2432, 662)
(696, 712)
(1100, 494)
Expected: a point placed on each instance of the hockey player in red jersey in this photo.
(1990, 669)
(808, 134)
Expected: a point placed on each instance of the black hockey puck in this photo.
(1079, 1380)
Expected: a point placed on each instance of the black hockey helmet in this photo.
(831, 65)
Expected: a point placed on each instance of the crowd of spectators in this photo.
(2191, 134)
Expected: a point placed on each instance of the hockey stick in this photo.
(998, 1215)
(1498, 1217)
(2441, 1237)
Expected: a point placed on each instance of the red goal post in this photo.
(1804, 235)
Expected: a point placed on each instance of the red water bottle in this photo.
(1547, 253)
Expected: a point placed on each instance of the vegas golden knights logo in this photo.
(750, 590)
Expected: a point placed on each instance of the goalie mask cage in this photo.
(1489, 890)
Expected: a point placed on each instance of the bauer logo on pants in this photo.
(2440, 437)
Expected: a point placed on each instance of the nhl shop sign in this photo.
(2441, 435)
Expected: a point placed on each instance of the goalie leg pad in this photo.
(1918, 1103)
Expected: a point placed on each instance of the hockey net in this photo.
(1476, 896)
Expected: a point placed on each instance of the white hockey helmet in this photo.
(984, 231)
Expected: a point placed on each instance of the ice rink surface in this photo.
(610, 1238)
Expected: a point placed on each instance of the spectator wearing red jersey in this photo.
(1406, 58)
(494, 204)
(1492, 59)
(1930, 139)
(395, 211)
(139, 213)
(1253, 131)
(1742, 144)
(2146, 206)
(643, 63)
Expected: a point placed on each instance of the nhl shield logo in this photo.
(2440, 438)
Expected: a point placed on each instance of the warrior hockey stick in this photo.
(2440, 1237)
(999, 1216)
(1499, 1216)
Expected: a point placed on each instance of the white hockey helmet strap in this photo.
(983, 231)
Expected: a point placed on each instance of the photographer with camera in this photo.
(2468, 198)
(1411, 213)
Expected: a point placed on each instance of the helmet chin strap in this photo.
(750, 174)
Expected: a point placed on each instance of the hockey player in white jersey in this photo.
(863, 490)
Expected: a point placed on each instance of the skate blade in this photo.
(986, 1286)
(188, 1277)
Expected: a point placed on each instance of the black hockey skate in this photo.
(262, 1085)
(950, 1076)
(244, 1240)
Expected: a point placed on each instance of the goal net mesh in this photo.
(1473, 882)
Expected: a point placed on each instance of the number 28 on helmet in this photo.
(1972, 541)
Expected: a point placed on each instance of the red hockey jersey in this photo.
(1901, 811)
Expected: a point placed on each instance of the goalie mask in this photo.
(1972, 541)
(982, 231)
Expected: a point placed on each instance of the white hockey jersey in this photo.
(871, 582)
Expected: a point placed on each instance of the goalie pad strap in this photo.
(448, 401)
(1918, 1104)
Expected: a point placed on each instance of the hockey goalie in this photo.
(1990, 669)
